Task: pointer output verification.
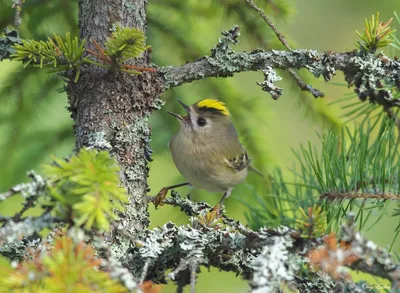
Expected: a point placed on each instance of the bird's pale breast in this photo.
(202, 167)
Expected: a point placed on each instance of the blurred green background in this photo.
(34, 123)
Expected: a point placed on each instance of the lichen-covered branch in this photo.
(187, 206)
(365, 71)
(229, 62)
(29, 191)
(34, 189)
(13, 231)
(370, 258)
(266, 257)
(17, 5)
(268, 85)
(371, 75)
(302, 85)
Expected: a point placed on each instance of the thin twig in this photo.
(279, 35)
(12, 191)
(149, 69)
(35, 188)
(17, 5)
(106, 59)
(350, 195)
(29, 203)
(145, 269)
(301, 84)
(193, 269)
(102, 52)
(103, 58)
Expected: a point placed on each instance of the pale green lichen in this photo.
(375, 78)
(157, 241)
(224, 61)
(98, 140)
(133, 172)
(157, 104)
(114, 265)
(12, 231)
(378, 259)
(221, 54)
(318, 64)
(34, 189)
(268, 85)
(274, 265)
(14, 250)
(134, 133)
(130, 6)
(114, 26)
(11, 38)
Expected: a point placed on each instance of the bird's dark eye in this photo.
(201, 121)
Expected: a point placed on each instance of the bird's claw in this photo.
(160, 197)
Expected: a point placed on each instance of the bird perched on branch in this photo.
(207, 151)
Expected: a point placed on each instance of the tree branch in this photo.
(351, 195)
(29, 191)
(257, 255)
(34, 188)
(13, 231)
(227, 63)
(302, 85)
(218, 241)
(371, 259)
(366, 72)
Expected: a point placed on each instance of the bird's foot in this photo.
(160, 197)
(217, 210)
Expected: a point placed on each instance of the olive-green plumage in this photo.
(207, 150)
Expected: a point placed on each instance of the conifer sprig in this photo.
(61, 54)
(125, 43)
(359, 170)
(86, 189)
(375, 35)
(68, 267)
(67, 53)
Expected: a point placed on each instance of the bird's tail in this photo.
(252, 168)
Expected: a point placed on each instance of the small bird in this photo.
(207, 150)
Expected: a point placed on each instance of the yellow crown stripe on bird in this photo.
(214, 104)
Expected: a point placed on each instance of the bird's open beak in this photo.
(176, 115)
(187, 109)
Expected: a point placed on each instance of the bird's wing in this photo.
(238, 159)
(238, 162)
(242, 161)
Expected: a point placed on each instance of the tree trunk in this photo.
(111, 109)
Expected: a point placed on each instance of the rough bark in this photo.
(111, 109)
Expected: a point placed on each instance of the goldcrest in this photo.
(207, 151)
